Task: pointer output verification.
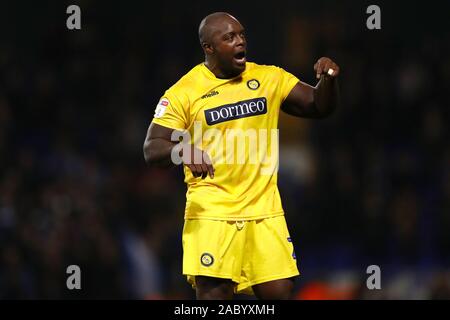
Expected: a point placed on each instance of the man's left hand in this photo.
(326, 66)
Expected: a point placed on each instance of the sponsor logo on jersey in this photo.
(210, 94)
(238, 110)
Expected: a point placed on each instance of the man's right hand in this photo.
(197, 161)
(159, 149)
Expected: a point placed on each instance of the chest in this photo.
(244, 103)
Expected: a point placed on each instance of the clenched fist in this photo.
(326, 66)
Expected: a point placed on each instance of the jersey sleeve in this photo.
(172, 111)
(287, 82)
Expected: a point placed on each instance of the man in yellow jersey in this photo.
(220, 121)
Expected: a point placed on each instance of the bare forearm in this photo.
(163, 153)
(307, 101)
(158, 152)
(326, 95)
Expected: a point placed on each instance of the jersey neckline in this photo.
(211, 75)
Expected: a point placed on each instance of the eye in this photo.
(228, 37)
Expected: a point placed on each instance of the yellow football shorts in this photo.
(247, 252)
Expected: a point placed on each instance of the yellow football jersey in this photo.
(236, 122)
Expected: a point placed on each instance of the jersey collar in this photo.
(208, 73)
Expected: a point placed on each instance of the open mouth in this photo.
(239, 57)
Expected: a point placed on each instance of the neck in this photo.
(214, 67)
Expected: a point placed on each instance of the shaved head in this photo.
(212, 23)
(222, 38)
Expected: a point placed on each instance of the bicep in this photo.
(156, 131)
(300, 101)
(158, 145)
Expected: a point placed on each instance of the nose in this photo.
(241, 41)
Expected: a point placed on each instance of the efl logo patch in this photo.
(207, 259)
(240, 109)
(161, 107)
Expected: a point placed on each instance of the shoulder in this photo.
(264, 68)
(186, 82)
(181, 91)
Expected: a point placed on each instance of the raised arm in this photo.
(315, 102)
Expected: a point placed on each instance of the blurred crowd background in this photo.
(368, 186)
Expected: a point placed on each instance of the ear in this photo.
(207, 48)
